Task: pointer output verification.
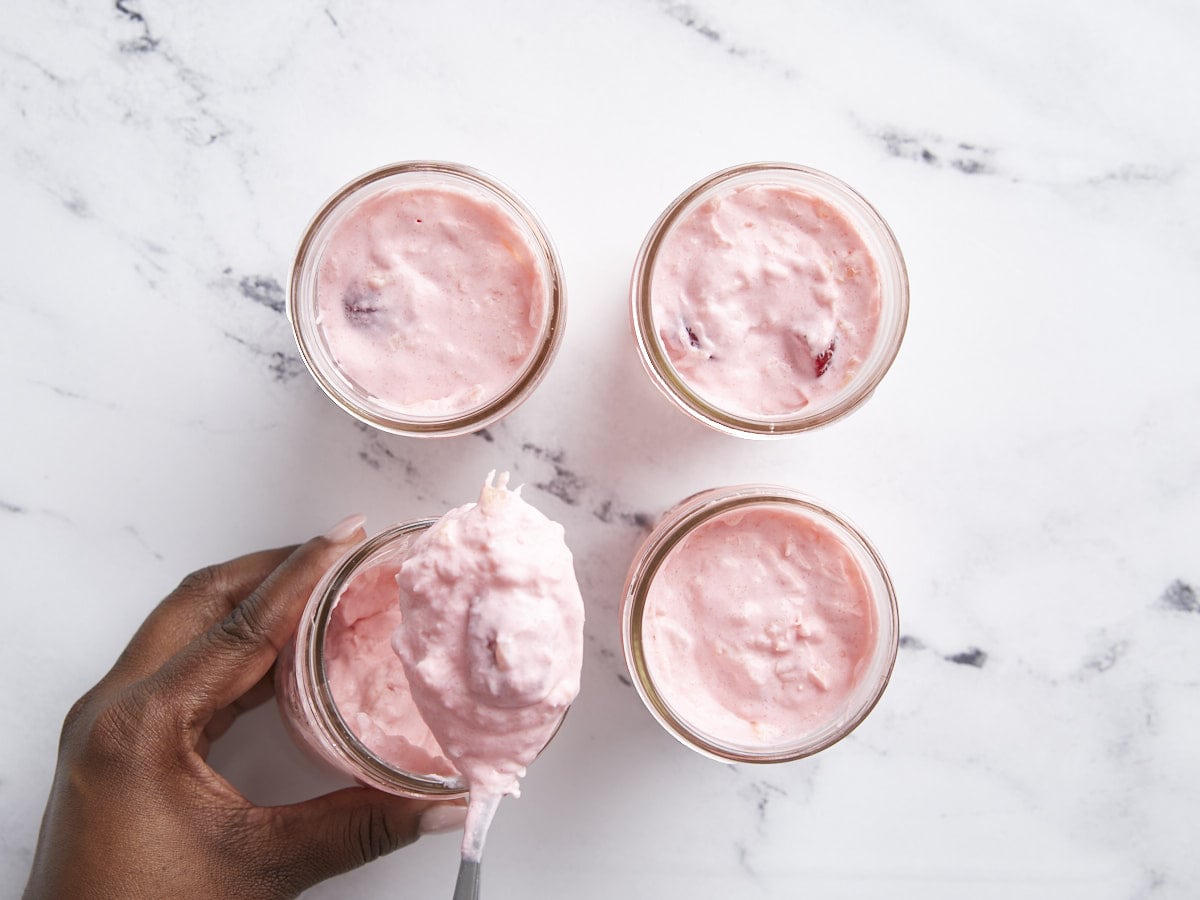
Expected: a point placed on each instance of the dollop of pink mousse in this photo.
(492, 641)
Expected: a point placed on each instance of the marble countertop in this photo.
(1029, 469)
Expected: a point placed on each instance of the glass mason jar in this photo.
(302, 688)
(304, 314)
(893, 282)
(672, 529)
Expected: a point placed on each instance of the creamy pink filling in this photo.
(367, 681)
(431, 299)
(766, 300)
(759, 627)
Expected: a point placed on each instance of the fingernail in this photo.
(442, 818)
(345, 529)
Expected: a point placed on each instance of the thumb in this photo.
(328, 835)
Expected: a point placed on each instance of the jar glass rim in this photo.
(301, 295)
(894, 297)
(675, 526)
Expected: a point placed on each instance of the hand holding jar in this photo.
(135, 806)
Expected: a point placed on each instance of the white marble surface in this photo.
(1030, 469)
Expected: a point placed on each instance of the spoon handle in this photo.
(467, 886)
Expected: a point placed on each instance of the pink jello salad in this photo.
(759, 627)
(766, 299)
(431, 298)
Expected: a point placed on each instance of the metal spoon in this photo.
(467, 886)
(479, 819)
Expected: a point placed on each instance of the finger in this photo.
(332, 834)
(224, 662)
(202, 598)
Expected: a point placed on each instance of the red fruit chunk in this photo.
(822, 360)
(360, 306)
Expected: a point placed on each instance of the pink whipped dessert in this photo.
(766, 300)
(431, 299)
(491, 641)
(759, 627)
(367, 681)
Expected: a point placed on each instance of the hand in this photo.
(135, 810)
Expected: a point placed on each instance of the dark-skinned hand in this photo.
(136, 811)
